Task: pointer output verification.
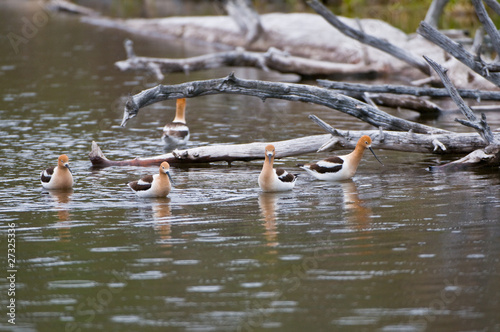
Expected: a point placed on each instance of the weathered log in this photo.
(459, 52)
(408, 90)
(448, 143)
(378, 43)
(216, 153)
(264, 90)
(273, 59)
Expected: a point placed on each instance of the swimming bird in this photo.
(339, 168)
(157, 185)
(271, 179)
(59, 177)
(177, 132)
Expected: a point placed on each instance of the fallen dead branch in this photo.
(479, 95)
(449, 143)
(490, 155)
(273, 59)
(286, 91)
(459, 52)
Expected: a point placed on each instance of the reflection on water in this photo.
(61, 198)
(357, 213)
(395, 249)
(267, 204)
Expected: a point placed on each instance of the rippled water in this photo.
(395, 249)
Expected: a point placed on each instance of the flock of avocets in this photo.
(271, 179)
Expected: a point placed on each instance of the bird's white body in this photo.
(338, 168)
(157, 185)
(177, 132)
(272, 180)
(59, 177)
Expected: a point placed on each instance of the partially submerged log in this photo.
(216, 153)
(448, 143)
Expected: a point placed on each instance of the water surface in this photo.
(395, 249)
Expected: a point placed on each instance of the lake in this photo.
(396, 248)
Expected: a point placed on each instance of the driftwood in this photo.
(264, 90)
(459, 52)
(488, 24)
(490, 155)
(435, 11)
(449, 143)
(408, 90)
(273, 59)
(71, 8)
(419, 105)
(428, 140)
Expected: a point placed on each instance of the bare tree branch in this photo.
(435, 11)
(458, 51)
(380, 44)
(493, 4)
(479, 125)
(273, 59)
(488, 24)
(408, 90)
(246, 17)
(264, 90)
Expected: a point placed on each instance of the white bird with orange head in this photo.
(158, 185)
(59, 177)
(339, 168)
(271, 179)
(177, 132)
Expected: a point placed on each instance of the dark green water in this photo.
(395, 249)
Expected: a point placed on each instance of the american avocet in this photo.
(177, 132)
(338, 168)
(59, 177)
(157, 185)
(271, 179)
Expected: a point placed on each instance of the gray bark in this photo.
(273, 59)
(459, 52)
(264, 90)
(435, 11)
(408, 90)
(447, 143)
(488, 24)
